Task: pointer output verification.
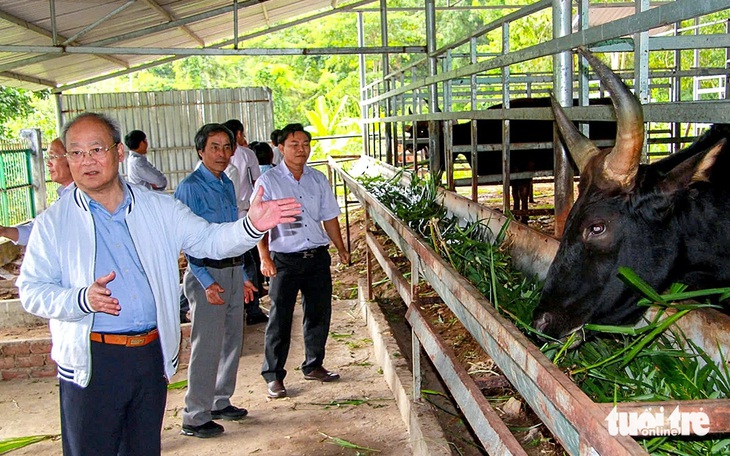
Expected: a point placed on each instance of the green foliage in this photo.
(471, 249)
(8, 445)
(328, 120)
(15, 104)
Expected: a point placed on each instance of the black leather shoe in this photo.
(204, 431)
(230, 413)
(322, 374)
(276, 389)
(256, 319)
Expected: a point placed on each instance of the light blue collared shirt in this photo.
(319, 204)
(141, 172)
(214, 200)
(115, 251)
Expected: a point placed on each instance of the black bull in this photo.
(522, 134)
(669, 221)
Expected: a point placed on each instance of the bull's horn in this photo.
(581, 149)
(622, 163)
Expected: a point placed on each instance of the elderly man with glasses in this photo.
(60, 174)
(101, 264)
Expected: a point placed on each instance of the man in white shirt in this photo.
(275, 143)
(244, 159)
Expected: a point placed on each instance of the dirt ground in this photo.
(308, 422)
(359, 408)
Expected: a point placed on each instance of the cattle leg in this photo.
(520, 197)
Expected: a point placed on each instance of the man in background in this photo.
(139, 170)
(278, 157)
(60, 174)
(244, 159)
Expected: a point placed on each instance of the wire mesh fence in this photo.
(16, 188)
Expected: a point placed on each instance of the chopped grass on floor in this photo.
(347, 402)
(345, 444)
(182, 384)
(15, 443)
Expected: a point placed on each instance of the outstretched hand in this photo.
(265, 215)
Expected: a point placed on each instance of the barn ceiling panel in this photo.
(31, 59)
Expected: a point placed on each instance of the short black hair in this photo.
(235, 126)
(201, 137)
(275, 137)
(263, 151)
(134, 138)
(292, 128)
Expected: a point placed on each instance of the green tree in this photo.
(330, 119)
(15, 104)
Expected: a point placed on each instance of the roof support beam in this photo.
(265, 12)
(280, 27)
(97, 23)
(49, 34)
(164, 13)
(176, 23)
(183, 52)
(54, 26)
(117, 39)
(22, 77)
(144, 66)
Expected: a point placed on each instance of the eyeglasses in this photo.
(50, 157)
(95, 152)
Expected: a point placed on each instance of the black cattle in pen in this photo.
(669, 221)
(524, 134)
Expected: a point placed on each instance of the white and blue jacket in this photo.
(59, 261)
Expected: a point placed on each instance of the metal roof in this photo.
(96, 38)
(63, 44)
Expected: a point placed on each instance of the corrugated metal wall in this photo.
(171, 119)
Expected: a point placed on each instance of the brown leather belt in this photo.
(137, 340)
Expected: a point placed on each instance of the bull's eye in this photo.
(597, 229)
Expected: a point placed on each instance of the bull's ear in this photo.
(702, 172)
(695, 169)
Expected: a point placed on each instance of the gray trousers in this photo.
(216, 338)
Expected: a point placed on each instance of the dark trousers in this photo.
(120, 412)
(251, 266)
(312, 277)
